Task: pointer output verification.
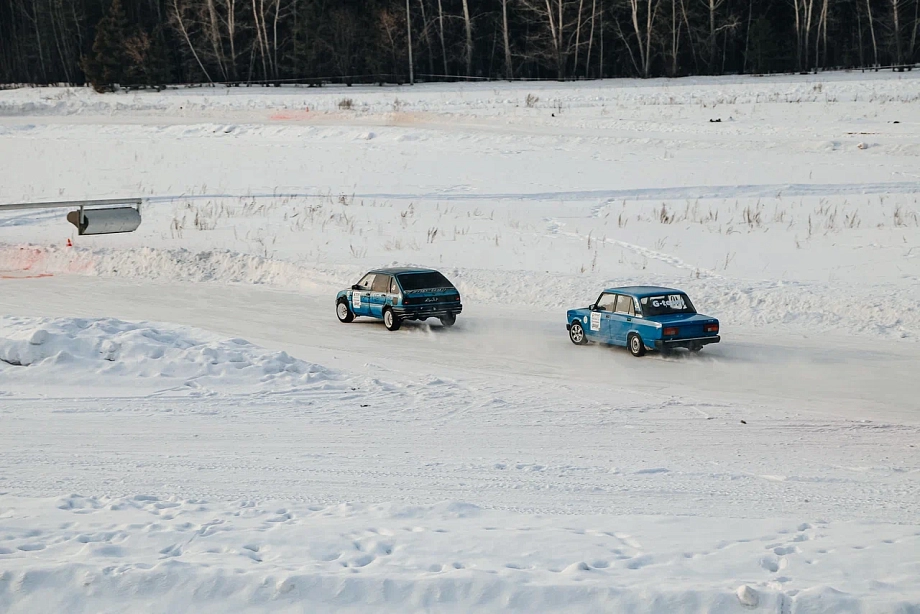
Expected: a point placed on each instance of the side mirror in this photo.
(592, 307)
(356, 287)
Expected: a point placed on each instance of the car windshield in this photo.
(666, 304)
(423, 281)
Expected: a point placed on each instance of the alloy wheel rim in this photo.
(577, 333)
(388, 318)
(343, 311)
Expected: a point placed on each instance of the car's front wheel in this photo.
(636, 345)
(577, 334)
(390, 320)
(343, 312)
(448, 319)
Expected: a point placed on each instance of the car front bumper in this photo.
(686, 343)
(417, 312)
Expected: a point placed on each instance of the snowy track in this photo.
(547, 427)
(187, 428)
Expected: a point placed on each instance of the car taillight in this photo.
(712, 328)
(670, 332)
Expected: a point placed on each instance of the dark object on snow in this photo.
(715, 121)
(743, 422)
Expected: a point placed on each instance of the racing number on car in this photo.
(595, 321)
(356, 300)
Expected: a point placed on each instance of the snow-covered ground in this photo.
(186, 427)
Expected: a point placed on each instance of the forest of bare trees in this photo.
(157, 42)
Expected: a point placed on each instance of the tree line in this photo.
(156, 42)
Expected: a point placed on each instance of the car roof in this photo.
(640, 291)
(402, 270)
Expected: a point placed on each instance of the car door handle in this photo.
(629, 319)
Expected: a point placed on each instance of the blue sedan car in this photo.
(642, 318)
(394, 295)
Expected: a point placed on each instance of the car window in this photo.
(606, 302)
(394, 287)
(423, 281)
(625, 305)
(666, 304)
(367, 281)
(381, 283)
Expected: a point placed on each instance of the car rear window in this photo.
(666, 304)
(423, 281)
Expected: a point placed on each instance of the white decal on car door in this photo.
(356, 300)
(596, 321)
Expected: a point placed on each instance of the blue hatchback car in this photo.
(642, 318)
(394, 295)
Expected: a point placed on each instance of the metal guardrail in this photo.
(105, 202)
(93, 217)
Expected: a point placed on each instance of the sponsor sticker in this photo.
(674, 301)
(356, 300)
(596, 321)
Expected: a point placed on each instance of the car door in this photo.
(599, 324)
(361, 296)
(379, 292)
(620, 322)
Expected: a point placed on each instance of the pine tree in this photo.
(109, 63)
(148, 61)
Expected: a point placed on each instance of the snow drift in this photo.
(86, 354)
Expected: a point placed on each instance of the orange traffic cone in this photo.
(69, 243)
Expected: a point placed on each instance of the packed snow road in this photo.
(502, 409)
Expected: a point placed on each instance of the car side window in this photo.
(394, 286)
(625, 305)
(606, 302)
(367, 281)
(381, 283)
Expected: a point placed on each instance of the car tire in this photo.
(343, 312)
(577, 334)
(448, 320)
(390, 320)
(636, 345)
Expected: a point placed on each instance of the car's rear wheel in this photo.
(577, 334)
(390, 320)
(343, 312)
(448, 319)
(636, 345)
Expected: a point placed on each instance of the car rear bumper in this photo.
(686, 343)
(417, 312)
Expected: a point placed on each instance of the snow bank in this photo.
(86, 356)
(807, 307)
(146, 554)
(298, 103)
